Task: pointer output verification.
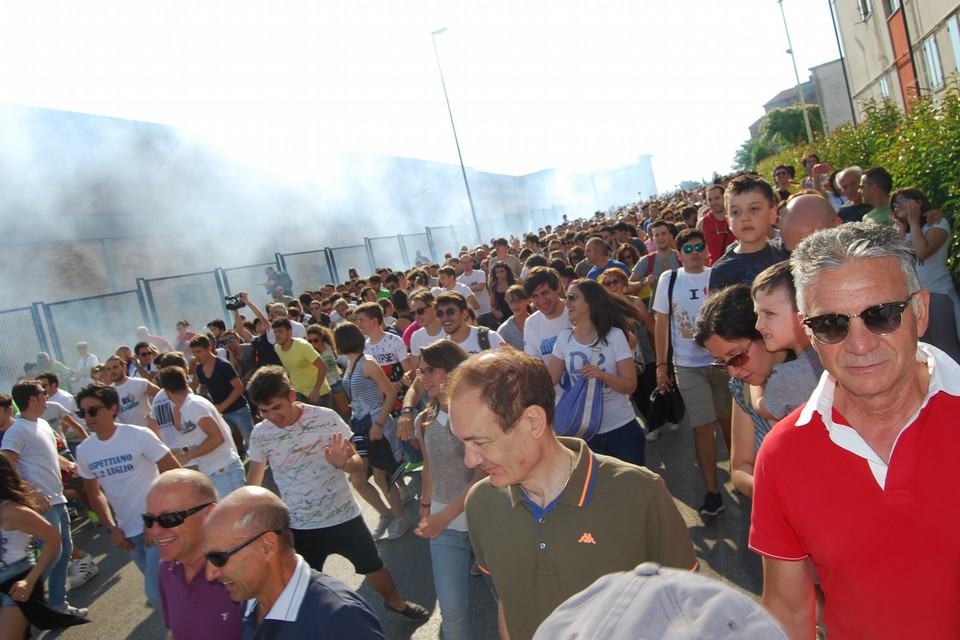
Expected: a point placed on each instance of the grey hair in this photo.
(854, 169)
(268, 516)
(831, 249)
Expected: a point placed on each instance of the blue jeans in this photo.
(56, 572)
(626, 443)
(242, 421)
(452, 556)
(232, 477)
(14, 568)
(147, 560)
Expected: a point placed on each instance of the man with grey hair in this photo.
(849, 181)
(285, 599)
(858, 483)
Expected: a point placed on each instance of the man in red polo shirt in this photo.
(858, 483)
(714, 224)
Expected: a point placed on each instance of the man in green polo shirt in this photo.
(551, 517)
(875, 187)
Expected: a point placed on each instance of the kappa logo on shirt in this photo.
(587, 538)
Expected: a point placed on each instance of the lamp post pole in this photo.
(803, 102)
(466, 183)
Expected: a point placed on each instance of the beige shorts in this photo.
(706, 394)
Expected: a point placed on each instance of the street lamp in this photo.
(466, 183)
(803, 103)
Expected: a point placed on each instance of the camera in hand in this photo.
(234, 303)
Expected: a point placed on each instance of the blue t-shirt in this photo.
(594, 273)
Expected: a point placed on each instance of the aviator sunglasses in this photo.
(881, 320)
(690, 248)
(220, 558)
(171, 520)
(736, 360)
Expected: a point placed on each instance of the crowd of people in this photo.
(813, 322)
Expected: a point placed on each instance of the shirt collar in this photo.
(287, 606)
(579, 487)
(944, 376)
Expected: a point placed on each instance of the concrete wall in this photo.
(834, 98)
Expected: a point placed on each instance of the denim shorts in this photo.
(8, 572)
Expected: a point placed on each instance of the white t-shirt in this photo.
(689, 292)
(617, 408)
(458, 287)
(82, 368)
(390, 350)
(53, 414)
(420, 338)
(162, 413)
(483, 297)
(194, 409)
(317, 493)
(472, 342)
(125, 465)
(36, 445)
(540, 332)
(134, 403)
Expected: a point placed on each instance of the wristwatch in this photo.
(407, 410)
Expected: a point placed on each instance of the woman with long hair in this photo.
(628, 255)
(322, 340)
(446, 481)
(371, 396)
(598, 347)
(615, 282)
(19, 523)
(512, 328)
(930, 242)
(500, 279)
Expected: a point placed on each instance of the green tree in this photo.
(751, 153)
(785, 127)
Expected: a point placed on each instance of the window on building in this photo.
(884, 88)
(865, 9)
(931, 55)
(953, 30)
(891, 6)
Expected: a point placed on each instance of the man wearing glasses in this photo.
(285, 599)
(118, 463)
(193, 606)
(858, 483)
(705, 389)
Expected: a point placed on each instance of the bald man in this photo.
(177, 507)
(285, 598)
(803, 214)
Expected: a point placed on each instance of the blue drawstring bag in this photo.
(580, 410)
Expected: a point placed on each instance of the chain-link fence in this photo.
(194, 297)
(414, 244)
(103, 322)
(352, 257)
(307, 269)
(21, 340)
(249, 278)
(387, 252)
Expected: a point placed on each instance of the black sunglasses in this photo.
(145, 354)
(92, 411)
(881, 320)
(171, 520)
(736, 360)
(690, 248)
(449, 312)
(421, 310)
(220, 558)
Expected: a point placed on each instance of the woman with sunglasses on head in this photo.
(930, 242)
(20, 574)
(599, 347)
(512, 328)
(446, 481)
(322, 340)
(615, 281)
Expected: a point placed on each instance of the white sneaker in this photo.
(397, 528)
(81, 571)
(653, 436)
(81, 612)
(382, 524)
(673, 426)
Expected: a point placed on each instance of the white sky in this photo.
(533, 85)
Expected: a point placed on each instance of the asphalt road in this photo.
(118, 607)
